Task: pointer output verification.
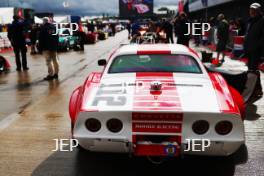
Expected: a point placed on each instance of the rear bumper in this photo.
(217, 148)
(111, 145)
(121, 145)
(130, 141)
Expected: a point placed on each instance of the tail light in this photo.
(93, 125)
(114, 125)
(200, 127)
(223, 127)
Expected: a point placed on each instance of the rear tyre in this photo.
(240, 156)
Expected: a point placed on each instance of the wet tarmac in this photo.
(34, 112)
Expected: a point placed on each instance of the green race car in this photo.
(66, 40)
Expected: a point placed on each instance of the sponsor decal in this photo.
(157, 127)
(170, 150)
(158, 116)
(157, 134)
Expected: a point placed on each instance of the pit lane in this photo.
(36, 112)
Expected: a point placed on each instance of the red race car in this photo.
(157, 100)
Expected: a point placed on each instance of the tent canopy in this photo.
(6, 15)
(38, 20)
(61, 19)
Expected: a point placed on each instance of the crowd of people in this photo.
(220, 34)
(42, 40)
(19, 37)
(176, 28)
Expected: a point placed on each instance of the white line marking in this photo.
(6, 122)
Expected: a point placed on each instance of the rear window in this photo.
(154, 63)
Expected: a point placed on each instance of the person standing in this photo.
(128, 27)
(211, 37)
(16, 36)
(168, 29)
(198, 38)
(135, 32)
(91, 27)
(113, 28)
(182, 31)
(33, 38)
(254, 40)
(240, 27)
(48, 43)
(223, 36)
(254, 48)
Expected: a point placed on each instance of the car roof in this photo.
(154, 49)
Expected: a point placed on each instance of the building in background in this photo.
(130, 9)
(211, 8)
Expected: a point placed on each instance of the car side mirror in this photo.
(102, 62)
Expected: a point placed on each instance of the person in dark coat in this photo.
(168, 29)
(113, 28)
(33, 38)
(254, 40)
(176, 25)
(128, 27)
(82, 36)
(182, 30)
(198, 38)
(254, 48)
(223, 36)
(91, 27)
(16, 36)
(241, 27)
(48, 44)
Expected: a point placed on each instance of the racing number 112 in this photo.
(110, 100)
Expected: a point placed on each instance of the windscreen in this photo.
(154, 63)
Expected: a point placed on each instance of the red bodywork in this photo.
(91, 38)
(7, 65)
(229, 99)
(81, 93)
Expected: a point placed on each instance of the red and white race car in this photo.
(157, 100)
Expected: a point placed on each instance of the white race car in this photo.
(157, 101)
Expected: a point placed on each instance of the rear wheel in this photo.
(240, 156)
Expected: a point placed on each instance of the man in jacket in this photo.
(48, 43)
(223, 36)
(182, 30)
(16, 36)
(254, 48)
(254, 41)
(168, 29)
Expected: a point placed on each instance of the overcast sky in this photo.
(77, 6)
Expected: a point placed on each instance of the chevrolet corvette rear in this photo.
(157, 113)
